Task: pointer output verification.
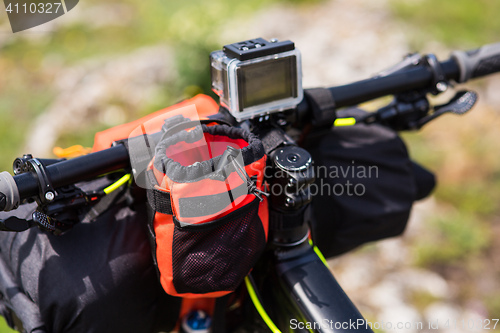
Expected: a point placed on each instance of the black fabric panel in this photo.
(217, 259)
(98, 277)
(159, 201)
(341, 221)
(424, 179)
(322, 105)
(219, 315)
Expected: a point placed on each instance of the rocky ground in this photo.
(100, 91)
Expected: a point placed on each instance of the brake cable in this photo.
(254, 296)
(116, 185)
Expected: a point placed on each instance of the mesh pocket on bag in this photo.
(220, 256)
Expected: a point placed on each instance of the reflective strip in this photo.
(318, 253)
(344, 121)
(258, 306)
(116, 185)
(209, 204)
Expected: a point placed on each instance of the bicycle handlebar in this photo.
(26, 185)
(460, 67)
(414, 78)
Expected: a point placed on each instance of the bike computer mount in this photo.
(257, 77)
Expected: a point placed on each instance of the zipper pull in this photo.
(229, 156)
(252, 188)
(258, 193)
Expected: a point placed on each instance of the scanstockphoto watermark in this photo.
(362, 324)
(354, 325)
(334, 180)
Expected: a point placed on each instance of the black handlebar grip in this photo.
(479, 62)
(9, 193)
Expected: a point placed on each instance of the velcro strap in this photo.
(322, 105)
(159, 201)
(273, 139)
(193, 206)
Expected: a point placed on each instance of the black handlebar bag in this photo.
(365, 185)
(97, 277)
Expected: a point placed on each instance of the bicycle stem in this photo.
(309, 290)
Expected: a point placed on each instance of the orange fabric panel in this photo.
(205, 106)
(215, 294)
(164, 229)
(193, 304)
(205, 187)
(203, 149)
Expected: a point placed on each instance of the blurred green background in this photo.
(70, 63)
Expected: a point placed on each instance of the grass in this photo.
(421, 299)
(4, 328)
(457, 23)
(493, 303)
(464, 152)
(30, 65)
(452, 238)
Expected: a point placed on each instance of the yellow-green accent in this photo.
(318, 253)
(344, 121)
(117, 184)
(259, 307)
(256, 302)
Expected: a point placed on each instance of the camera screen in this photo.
(267, 81)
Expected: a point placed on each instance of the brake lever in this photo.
(39, 219)
(15, 224)
(462, 102)
(410, 60)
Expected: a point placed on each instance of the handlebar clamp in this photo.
(46, 191)
(439, 82)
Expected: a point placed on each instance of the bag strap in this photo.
(191, 123)
(158, 200)
(119, 196)
(209, 204)
(219, 315)
(322, 106)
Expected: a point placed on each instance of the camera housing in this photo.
(257, 77)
